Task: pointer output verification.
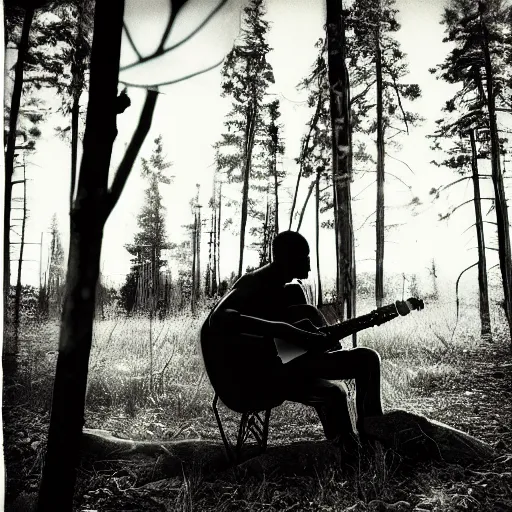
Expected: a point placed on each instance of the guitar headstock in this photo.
(404, 307)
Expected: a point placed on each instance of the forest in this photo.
(152, 153)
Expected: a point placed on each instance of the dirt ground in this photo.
(479, 404)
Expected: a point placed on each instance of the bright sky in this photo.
(189, 116)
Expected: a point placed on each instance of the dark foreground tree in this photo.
(93, 204)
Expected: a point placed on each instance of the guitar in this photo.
(288, 351)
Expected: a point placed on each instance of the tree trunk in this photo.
(194, 254)
(75, 114)
(214, 266)
(485, 318)
(317, 241)
(342, 159)
(89, 213)
(304, 206)
(17, 299)
(198, 257)
(305, 147)
(499, 189)
(379, 226)
(9, 155)
(276, 191)
(218, 233)
(249, 143)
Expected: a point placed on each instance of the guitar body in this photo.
(232, 362)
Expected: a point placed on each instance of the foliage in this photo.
(465, 65)
(316, 148)
(373, 22)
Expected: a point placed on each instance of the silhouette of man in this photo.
(261, 308)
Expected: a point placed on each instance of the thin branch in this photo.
(398, 132)
(365, 220)
(359, 193)
(311, 186)
(395, 87)
(457, 296)
(161, 51)
(132, 43)
(132, 151)
(470, 201)
(304, 149)
(399, 179)
(488, 248)
(171, 82)
(472, 225)
(356, 98)
(394, 176)
(454, 183)
(401, 161)
(175, 6)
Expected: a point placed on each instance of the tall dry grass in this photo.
(142, 368)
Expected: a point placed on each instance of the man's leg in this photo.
(361, 364)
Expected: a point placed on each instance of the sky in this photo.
(189, 116)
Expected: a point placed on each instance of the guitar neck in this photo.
(348, 327)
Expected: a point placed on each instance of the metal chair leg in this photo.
(250, 423)
(227, 445)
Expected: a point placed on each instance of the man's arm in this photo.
(227, 318)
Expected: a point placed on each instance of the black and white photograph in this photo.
(256, 256)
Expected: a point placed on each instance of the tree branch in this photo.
(311, 186)
(365, 220)
(486, 221)
(401, 161)
(357, 97)
(161, 51)
(367, 186)
(470, 201)
(175, 6)
(132, 43)
(132, 151)
(305, 147)
(171, 82)
(395, 87)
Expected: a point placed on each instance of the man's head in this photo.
(291, 254)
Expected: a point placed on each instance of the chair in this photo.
(251, 422)
(255, 417)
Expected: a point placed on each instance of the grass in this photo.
(146, 381)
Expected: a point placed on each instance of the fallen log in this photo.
(166, 458)
(412, 436)
(416, 437)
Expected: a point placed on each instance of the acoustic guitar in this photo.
(226, 359)
(288, 351)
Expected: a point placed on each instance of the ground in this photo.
(477, 400)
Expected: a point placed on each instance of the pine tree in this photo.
(42, 45)
(151, 239)
(56, 269)
(480, 33)
(246, 76)
(376, 59)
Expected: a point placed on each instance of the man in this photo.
(258, 310)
